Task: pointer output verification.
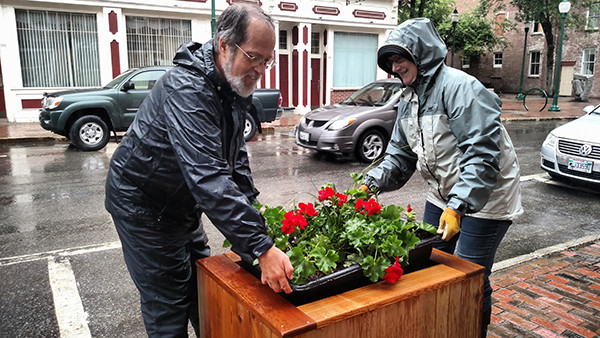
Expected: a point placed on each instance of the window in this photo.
(283, 44)
(535, 61)
(146, 80)
(500, 19)
(498, 60)
(537, 27)
(152, 41)
(589, 58)
(314, 43)
(465, 63)
(593, 16)
(58, 49)
(354, 59)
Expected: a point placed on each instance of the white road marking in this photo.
(543, 177)
(63, 252)
(72, 318)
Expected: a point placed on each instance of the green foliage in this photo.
(343, 229)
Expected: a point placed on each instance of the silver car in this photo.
(360, 125)
(573, 150)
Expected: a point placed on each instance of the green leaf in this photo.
(393, 247)
(374, 269)
(226, 243)
(427, 227)
(303, 268)
(325, 260)
(357, 177)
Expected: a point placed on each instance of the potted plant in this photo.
(342, 235)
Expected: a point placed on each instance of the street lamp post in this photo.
(520, 96)
(563, 8)
(454, 18)
(213, 21)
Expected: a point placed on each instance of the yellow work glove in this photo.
(364, 188)
(449, 224)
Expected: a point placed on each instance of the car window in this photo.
(375, 94)
(146, 80)
(115, 82)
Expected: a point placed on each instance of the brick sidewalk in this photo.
(556, 295)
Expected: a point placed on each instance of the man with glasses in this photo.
(184, 155)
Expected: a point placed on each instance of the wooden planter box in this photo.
(443, 300)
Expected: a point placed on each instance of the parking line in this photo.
(72, 318)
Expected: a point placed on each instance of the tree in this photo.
(474, 31)
(545, 12)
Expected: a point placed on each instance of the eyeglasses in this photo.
(255, 62)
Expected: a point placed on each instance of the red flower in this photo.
(393, 272)
(371, 207)
(342, 198)
(291, 220)
(326, 193)
(408, 209)
(307, 209)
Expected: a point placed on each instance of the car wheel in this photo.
(89, 133)
(249, 128)
(371, 145)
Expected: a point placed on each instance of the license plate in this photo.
(303, 136)
(580, 165)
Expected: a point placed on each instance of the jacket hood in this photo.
(201, 59)
(420, 38)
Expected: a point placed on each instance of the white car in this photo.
(572, 150)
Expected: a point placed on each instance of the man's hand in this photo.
(276, 270)
(449, 224)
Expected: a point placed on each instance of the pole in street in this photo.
(563, 8)
(520, 96)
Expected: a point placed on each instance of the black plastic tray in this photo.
(349, 278)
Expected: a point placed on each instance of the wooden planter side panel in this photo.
(444, 300)
(426, 303)
(233, 303)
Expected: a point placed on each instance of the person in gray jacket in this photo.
(448, 128)
(184, 155)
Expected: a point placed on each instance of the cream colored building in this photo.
(325, 49)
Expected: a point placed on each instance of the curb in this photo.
(508, 263)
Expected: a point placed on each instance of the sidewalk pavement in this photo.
(554, 292)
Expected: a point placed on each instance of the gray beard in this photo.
(237, 82)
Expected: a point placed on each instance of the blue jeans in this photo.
(476, 242)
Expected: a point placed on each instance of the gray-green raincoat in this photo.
(448, 127)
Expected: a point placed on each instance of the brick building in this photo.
(501, 69)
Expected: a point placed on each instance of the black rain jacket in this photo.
(185, 155)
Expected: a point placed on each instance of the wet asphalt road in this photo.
(60, 257)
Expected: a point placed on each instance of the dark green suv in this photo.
(87, 116)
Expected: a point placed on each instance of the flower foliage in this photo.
(342, 229)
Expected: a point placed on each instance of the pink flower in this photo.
(393, 272)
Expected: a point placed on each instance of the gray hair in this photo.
(233, 24)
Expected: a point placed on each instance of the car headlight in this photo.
(550, 140)
(51, 102)
(341, 123)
